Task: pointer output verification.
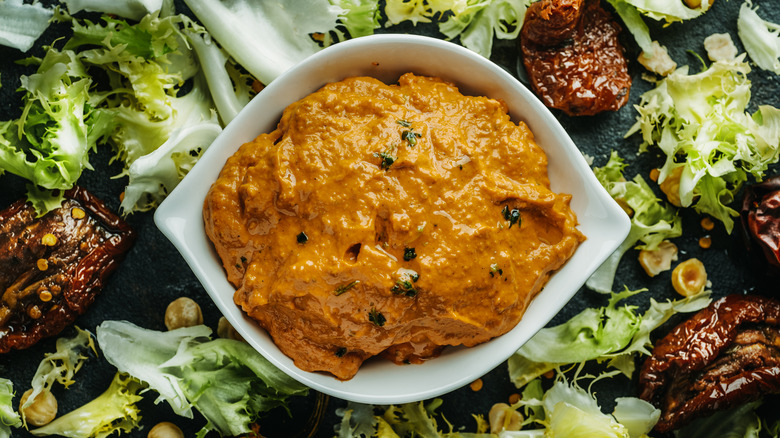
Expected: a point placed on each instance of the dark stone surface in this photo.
(154, 273)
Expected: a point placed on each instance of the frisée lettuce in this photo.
(8, 416)
(608, 333)
(227, 381)
(652, 222)
(475, 21)
(700, 123)
(760, 38)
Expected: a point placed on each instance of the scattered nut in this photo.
(183, 312)
(165, 430)
(658, 260)
(476, 385)
(42, 410)
(689, 277)
(503, 417)
(671, 186)
(225, 330)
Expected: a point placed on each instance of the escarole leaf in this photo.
(476, 22)
(609, 333)
(114, 410)
(572, 412)
(8, 416)
(700, 122)
(58, 126)
(760, 38)
(652, 221)
(267, 37)
(133, 9)
(22, 23)
(227, 381)
(160, 131)
(61, 365)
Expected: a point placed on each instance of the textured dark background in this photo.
(154, 274)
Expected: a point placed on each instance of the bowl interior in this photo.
(386, 57)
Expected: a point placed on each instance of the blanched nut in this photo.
(183, 312)
(42, 410)
(658, 260)
(658, 60)
(503, 417)
(689, 277)
(694, 4)
(165, 430)
(720, 47)
(226, 331)
(671, 187)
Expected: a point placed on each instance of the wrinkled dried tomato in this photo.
(54, 266)
(760, 217)
(726, 354)
(573, 57)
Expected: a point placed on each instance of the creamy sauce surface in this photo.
(388, 220)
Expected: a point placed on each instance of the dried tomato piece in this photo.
(573, 57)
(54, 266)
(726, 354)
(761, 221)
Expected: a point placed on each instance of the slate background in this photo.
(154, 274)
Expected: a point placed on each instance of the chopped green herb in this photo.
(343, 288)
(404, 287)
(494, 269)
(302, 238)
(411, 137)
(341, 352)
(243, 259)
(409, 254)
(513, 216)
(404, 123)
(376, 317)
(387, 158)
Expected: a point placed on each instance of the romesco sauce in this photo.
(388, 220)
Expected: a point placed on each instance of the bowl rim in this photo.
(175, 215)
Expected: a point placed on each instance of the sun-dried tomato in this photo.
(761, 221)
(53, 267)
(573, 57)
(726, 354)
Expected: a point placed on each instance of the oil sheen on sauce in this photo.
(388, 220)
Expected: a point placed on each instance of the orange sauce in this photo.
(388, 220)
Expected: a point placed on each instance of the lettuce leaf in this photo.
(22, 23)
(571, 411)
(61, 365)
(268, 37)
(476, 22)
(8, 416)
(761, 38)
(609, 333)
(651, 221)
(360, 17)
(58, 126)
(133, 9)
(225, 380)
(700, 122)
(114, 410)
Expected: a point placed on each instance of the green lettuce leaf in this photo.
(58, 126)
(652, 222)
(700, 122)
(61, 365)
(133, 9)
(360, 17)
(609, 333)
(225, 380)
(114, 410)
(8, 416)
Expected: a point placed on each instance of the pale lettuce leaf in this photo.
(761, 38)
(21, 24)
(8, 416)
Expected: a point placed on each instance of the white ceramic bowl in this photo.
(386, 57)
